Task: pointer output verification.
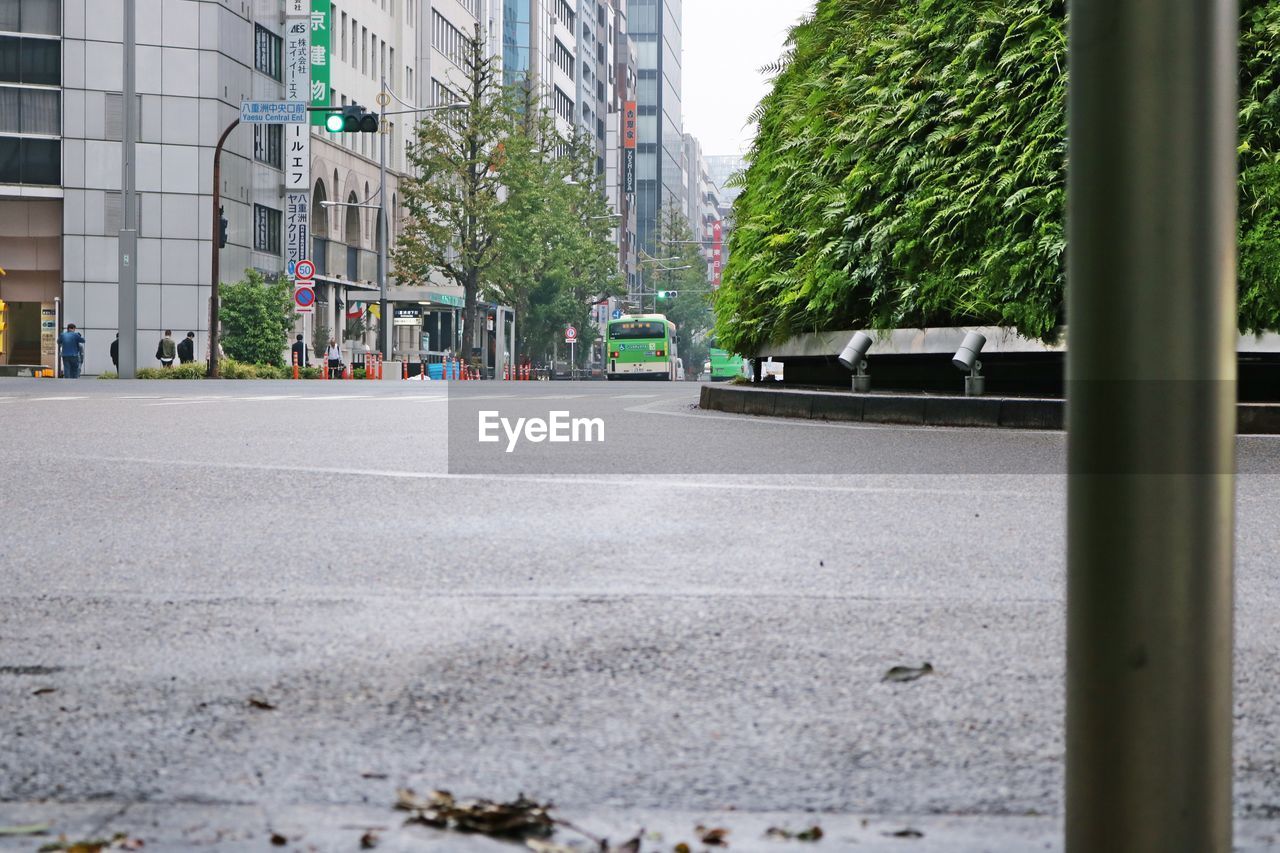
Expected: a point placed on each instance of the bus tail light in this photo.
(660, 353)
(614, 354)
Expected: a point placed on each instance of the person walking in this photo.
(167, 349)
(333, 355)
(115, 352)
(71, 347)
(300, 353)
(187, 348)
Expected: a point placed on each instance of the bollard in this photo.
(404, 370)
(295, 366)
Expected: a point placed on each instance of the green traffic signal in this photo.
(352, 119)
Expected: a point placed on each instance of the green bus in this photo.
(641, 346)
(725, 365)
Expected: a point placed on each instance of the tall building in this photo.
(654, 27)
(722, 168)
(623, 92)
(61, 206)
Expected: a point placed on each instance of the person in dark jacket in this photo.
(166, 350)
(115, 352)
(187, 348)
(300, 353)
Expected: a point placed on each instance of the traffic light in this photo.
(668, 294)
(352, 119)
(222, 228)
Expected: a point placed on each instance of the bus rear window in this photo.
(637, 330)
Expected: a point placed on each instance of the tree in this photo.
(256, 318)
(453, 197)
(555, 256)
(691, 309)
(910, 170)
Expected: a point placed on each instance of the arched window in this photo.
(319, 211)
(353, 222)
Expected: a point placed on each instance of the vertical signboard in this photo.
(321, 49)
(717, 253)
(297, 137)
(629, 148)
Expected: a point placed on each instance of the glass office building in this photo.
(655, 29)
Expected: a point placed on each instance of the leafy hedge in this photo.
(910, 171)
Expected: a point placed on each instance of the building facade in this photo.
(654, 27)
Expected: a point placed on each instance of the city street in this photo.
(234, 608)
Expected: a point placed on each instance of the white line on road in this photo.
(630, 482)
(180, 403)
(55, 399)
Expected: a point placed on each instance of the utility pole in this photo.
(1151, 377)
(384, 210)
(127, 290)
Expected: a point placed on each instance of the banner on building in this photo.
(297, 139)
(629, 126)
(321, 50)
(629, 171)
(717, 253)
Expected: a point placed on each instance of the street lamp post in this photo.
(127, 295)
(1151, 379)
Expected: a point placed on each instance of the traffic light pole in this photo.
(127, 289)
(1151, 379)
(214, 301)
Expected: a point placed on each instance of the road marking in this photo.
(143, 397)
(635, 396)
(180, 403)
(55, 399)
(690, 485)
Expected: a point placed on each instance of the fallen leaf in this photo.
(712, 837)
(813, 833)
(521, 818)
(278, 840)
(549, 847)
(903, 674)
(369, 840)
(119, 841)
(44, 691)
(682, 848)
(369, 774)
(905, 833)
(26, 829)
(632, 846)
(260, 704)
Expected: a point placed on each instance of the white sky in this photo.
(725, 44)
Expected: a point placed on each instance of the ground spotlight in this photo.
(854, 357)
(966, 358)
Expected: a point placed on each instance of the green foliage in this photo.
(256, 318)
(320, 339)
(108, 374)
(910, 171)
(691, 310)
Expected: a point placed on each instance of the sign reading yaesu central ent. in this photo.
(273, 112)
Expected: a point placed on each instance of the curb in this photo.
(920, 410)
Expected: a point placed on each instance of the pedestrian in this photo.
(334, 357)
(71, 347)
(300, 353)
(187, 348)
(115, 352)
(167, 350)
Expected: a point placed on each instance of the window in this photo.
(30, 161)
(364, 50)
(42, 17)
(342, 39)
(354, 28)
(268, 144)
(566, 15)
(24, 60)
(267, 49)
(448, 39)
(563, 105)
(30, 111)
(563, 58)
(266, 229)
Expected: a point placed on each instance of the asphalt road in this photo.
(689, 618)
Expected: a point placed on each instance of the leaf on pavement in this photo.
(119, 841)
(682, 848)
(278, 840)
(717, 837)
(26, 829)
(548, 847)
(521, 818)
(260, 704)
(908, 832)
(813, 833)
(369, 840)
(44, 691)
(903, 674)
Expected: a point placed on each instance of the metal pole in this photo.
(127, 291)
(1151, 417)
(214, 301)
(383, 209)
